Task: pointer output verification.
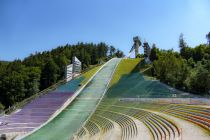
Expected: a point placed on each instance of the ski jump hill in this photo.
(113, 101)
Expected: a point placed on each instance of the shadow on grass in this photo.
(134, 85)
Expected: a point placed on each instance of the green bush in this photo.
(171, 69)
(1, 107)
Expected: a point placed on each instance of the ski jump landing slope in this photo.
(63, 126)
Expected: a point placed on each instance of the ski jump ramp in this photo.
(72, 117)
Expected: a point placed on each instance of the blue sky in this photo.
(27, 26)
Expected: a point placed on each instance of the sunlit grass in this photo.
(87, 75)
(126, 66)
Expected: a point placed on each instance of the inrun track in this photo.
(71, 119)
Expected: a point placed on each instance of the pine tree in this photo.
(208, 38)
(182, 45)
(49, 74)
(112, 50)
(154, 53)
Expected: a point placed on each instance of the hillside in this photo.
(132, 82)
(126, 66)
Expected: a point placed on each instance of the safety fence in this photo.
(190, 101)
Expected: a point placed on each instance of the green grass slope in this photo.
(129, 82)
(126, 66)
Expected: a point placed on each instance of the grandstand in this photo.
(160, 127)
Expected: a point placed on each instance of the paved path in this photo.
(143, 131)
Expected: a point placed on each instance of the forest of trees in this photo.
(21, 79)
(188, 70)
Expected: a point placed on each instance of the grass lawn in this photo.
(87, 75)
(126, 66)
(129, 82)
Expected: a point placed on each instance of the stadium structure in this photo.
(116, 102)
